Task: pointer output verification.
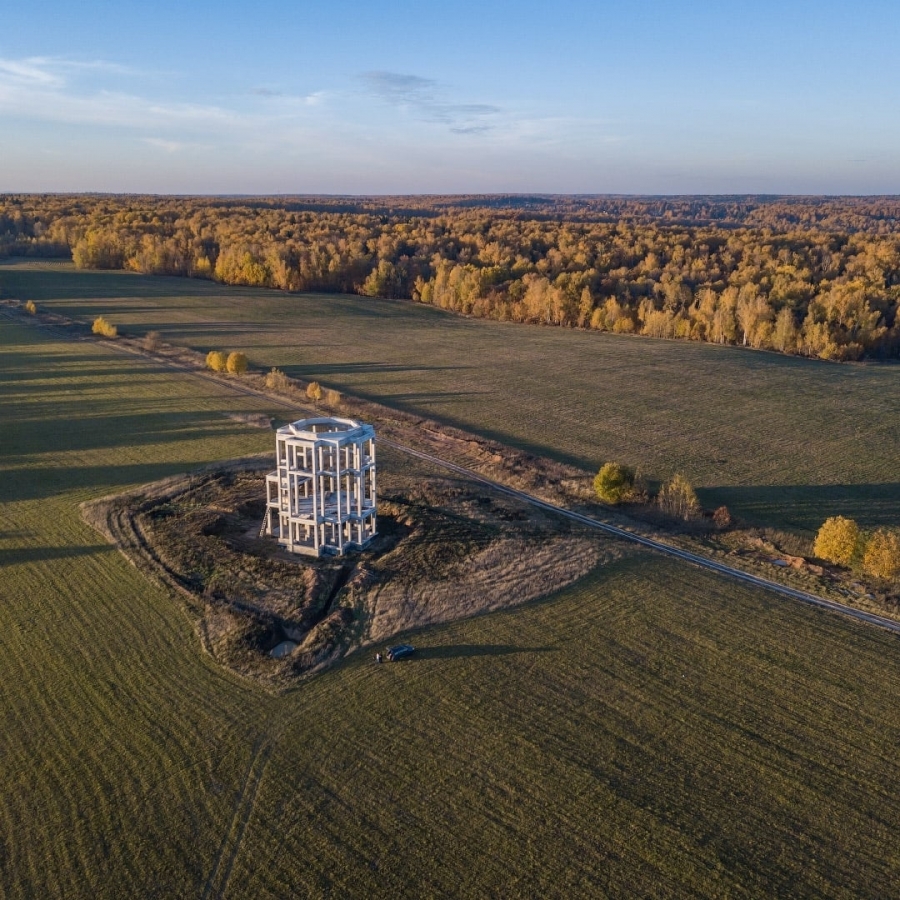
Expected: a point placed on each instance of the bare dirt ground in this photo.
(445, 549)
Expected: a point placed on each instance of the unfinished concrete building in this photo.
(321, 498)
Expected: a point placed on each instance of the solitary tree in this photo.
(613, 483)
(882, 554)
(216, 361)
(722, 517)
(314, 392)
(31, 307)
(837, 540)
(236, 364)
(104, 328)
(678, 498)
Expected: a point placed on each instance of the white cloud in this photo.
(27, 73)
(43, 89)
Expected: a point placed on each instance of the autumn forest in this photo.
(818, 277)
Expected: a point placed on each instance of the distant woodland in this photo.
(818, 277)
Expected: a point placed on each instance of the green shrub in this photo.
(614, 483)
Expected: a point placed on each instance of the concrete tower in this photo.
(321, 498)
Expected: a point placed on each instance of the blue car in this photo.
(400, 651)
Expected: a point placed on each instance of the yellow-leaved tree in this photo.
(216, 361)
(837, 540)
(236, 364)
(677, 498)
(314, 392)
(882, 554)
(104, 328)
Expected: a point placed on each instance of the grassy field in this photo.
(652, 731)
(780, 440)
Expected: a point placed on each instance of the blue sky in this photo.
(348, 97)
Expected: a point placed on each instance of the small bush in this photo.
(332, 398)
(677, 498)
(276, 380)
(104, 328)
(613, 483)
(151, 341)
(216, 361)
(31, 308)
(837, 541)
(722, 517)
(236, 364)
(882, 554)
(314, 392)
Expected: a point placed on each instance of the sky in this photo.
(346, 97)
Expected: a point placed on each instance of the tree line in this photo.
(816, 277)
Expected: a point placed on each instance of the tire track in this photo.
(230, 846)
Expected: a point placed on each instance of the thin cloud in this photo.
(162, 144)
(473, 129)
(109, 108)
(423, 97)
(97, 65)
(28, 72)
(397, 88)
(286, 100)
(44, 88)
(50, 71)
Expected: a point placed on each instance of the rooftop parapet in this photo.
(327, 428)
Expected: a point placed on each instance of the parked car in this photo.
(400, 651)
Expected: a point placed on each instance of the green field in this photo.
(653, 731)
(780, 440)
